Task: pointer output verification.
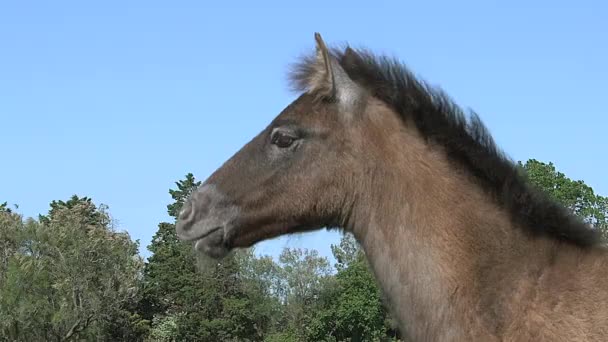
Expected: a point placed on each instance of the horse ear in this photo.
(324, 73)
(329, 79)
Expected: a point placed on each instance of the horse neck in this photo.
(436, 245)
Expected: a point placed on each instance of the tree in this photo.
(353, 308)
(10, 230)
(575, 195)
(261, 281)
(184, 189)
(69, 274)
(347, 252)
(304, 276)
(84, 205)
(191, 297)
(4, 208)
(171, 261)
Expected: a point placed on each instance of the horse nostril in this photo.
(186, 210)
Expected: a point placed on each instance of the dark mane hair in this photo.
(467, 142)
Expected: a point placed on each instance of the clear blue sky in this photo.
(117, 100)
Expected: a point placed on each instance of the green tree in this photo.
(4, 208)
(84, 205)
(573, 194)
(304, 276)
(10, 231)
(352, 309)
(180, 195)
(68, 276)
(190, 297)
(262, 283)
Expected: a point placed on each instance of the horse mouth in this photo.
(206, 234)
(212, 243)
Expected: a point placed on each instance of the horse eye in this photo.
(282, 140)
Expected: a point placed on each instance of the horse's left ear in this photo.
(330, 80)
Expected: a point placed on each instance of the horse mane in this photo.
(466, 141)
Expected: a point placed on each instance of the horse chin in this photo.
(221, 241)
(213, 245)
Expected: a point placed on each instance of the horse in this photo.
(463, 247)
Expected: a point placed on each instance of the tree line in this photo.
(71, 275)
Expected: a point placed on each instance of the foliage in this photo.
(303, 277)
(67, 276)
(576, 195)
(285, 336)
(353, 309)
(179, 195)
(4, 208)
(84, 205)
(165, 329)
(189, 297)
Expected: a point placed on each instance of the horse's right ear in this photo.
(329, 79)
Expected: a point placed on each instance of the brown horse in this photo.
(463, 247)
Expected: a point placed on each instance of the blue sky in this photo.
(117, 100)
